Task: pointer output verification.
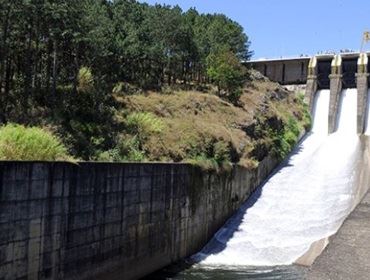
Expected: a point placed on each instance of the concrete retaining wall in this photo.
(111, 221)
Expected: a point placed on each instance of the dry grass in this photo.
(194, 121)
(191, 119)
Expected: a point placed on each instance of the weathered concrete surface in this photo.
(362, 89)
(111, 221)
(348, 254)
(284, 71)
(311, 89)
(311, 86)
(335, 89)
(362, 80)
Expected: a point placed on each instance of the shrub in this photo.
(210, 164)
(221, 152)
(85, 80)
(123, 88)
(306, 116)
(139, 127)
(211, 156)
(128, 149)
(293, 126)
(285, 140)
(143, 125)
(205, 163)
(30, 143)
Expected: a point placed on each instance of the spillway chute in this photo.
(305, 201)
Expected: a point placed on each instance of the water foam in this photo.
(306, 200)
(367, 123)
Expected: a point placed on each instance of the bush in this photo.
(123, 88)
(306, 116)
(127, 149)
(130, 146)
(85, 80)
(143, 125)
(30, 143)
(285, 141)
(212, 156)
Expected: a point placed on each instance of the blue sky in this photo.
(292, 27)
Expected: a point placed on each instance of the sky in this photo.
(284, 28)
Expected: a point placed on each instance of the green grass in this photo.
(144, 124)
(18, 142)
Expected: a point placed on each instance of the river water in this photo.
(306, 200)
(200, 272)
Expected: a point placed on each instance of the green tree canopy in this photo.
(47, 46)
(225, 69)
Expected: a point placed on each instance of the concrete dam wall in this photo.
(111, 221)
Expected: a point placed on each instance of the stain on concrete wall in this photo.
(111, 221)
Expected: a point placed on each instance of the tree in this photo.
(50, 51)
(225, 69)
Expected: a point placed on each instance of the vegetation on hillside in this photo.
(121, 80)
(20, 143)
(60, 61)
(202, 128)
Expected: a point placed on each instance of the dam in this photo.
(290, 218)
(320, 175)
(126, 220)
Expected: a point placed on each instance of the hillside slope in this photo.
(202, 128)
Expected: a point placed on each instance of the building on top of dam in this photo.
(323, 71)
(283, 70)
(294, 70)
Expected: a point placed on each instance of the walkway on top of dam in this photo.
(348, 253)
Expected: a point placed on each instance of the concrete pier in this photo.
(362, 78)
(311, 86)
(335, 89)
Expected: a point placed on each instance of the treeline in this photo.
(50, 50)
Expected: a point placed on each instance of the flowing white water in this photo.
(367, 123)
(306, 200)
